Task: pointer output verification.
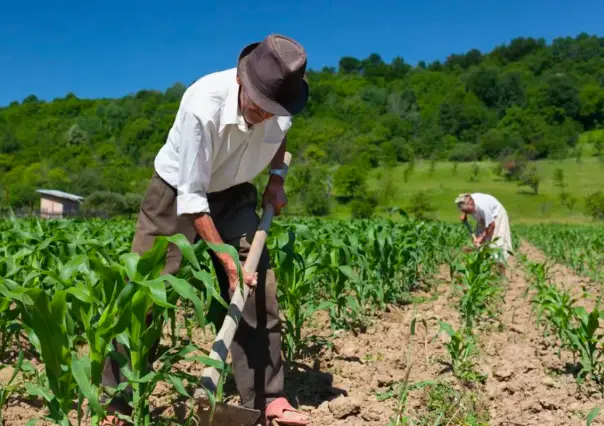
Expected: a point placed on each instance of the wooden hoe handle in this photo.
(224, 338)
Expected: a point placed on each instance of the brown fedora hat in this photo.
(272, 74)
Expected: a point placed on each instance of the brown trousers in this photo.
(255, 351)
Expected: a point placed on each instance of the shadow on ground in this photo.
(304, 386)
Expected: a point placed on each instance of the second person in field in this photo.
(492, 222)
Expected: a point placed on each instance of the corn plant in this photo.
(344, 309)
(73, 289)
(580, 247)
(462, 350)
(9, 326)
(480, 286)
(6, 389)
(575, 329)
(98, 301)
(587, 339)
(295, 274)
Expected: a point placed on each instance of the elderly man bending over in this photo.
(491, 218)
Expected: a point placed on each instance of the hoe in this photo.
(228, 414)
(469, 228)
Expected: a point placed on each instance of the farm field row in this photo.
(385, 323)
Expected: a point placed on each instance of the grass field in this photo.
(444, 184)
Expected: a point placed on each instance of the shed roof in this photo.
(60, 194)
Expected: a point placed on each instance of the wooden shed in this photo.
(56, 204)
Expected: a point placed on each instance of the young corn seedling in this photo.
(344, 309)
(587, 339)
(295, 277)
(481, 287)
(557, 306)
(462, 350)
(6, 389)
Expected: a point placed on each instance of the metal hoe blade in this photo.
(227, 415)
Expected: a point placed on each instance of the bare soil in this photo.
(339, 383)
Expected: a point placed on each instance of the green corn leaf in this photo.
(212, 400)
(152, 262)
(132, 378)
(46, 323)
(592, 415)
(211, 292)
(581, 312)
(81, 293)
(446, 327)
(43, 392)
(348, 271)
(130, 262)
(323, 306)
(231, 251)
(178, 385)
(157, 291)
(185, 247)
(593, 322)
(218, 365)
(79, 367)
(71, 267)
(185, 290)
(16, 368)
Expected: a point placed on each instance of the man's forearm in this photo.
(277, 161)
(205, 227)
(487, 232)
(490, 230)
(204, 224)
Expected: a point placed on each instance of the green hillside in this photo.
(443, 184)
(526, 100)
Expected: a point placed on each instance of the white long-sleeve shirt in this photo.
(210, 147)
(487, 207)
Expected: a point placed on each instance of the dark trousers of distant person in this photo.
(255, 351)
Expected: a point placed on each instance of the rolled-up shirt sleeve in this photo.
(195, 165)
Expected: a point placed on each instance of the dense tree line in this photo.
(524, 98)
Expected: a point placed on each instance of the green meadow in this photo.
(443, 182)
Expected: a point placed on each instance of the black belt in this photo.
(217, 195)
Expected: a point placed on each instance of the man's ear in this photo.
(238, 80)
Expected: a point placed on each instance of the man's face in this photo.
(468, 207)
(251, 112)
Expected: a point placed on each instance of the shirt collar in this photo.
(231, 114)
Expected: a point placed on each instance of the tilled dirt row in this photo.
(528, 384)
(354, 381)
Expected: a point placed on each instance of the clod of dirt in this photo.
(323, 408)
(504, 371)
(549, 382)
(518, 329)
(493, 389)
(548, 405)
(382, 380)
(348, 352)
(345, 349)
(546, 418)
(371, 415)
(343, 407)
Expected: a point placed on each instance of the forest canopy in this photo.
(526, 97)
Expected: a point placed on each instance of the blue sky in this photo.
(113, 48)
